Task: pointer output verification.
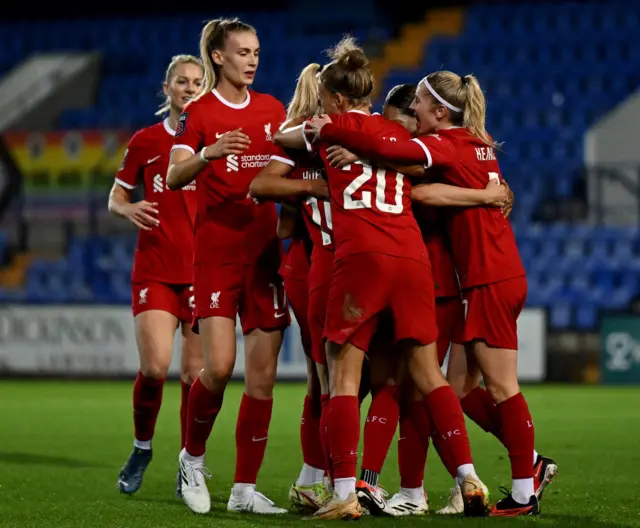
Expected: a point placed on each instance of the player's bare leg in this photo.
(191, 364)
(345, 369)
(252, 429)
(308, 494)
(500, 372)
(218, 338)
(154, 336)
(448, 420)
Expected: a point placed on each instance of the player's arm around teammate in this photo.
(161, 282)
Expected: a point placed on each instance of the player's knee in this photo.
(218, 374)
(461, 384)
(155, 369)
(502, 390)
(190, 368)
(189, 373)
(260, 378)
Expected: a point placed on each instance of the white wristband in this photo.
(203, 157)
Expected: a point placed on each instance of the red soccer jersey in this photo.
(229, 225)
(164, 254)
(484, 246)
(435, 237)
(370, 205)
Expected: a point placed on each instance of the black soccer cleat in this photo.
(130, 476)
(508, 507)
(545, 469)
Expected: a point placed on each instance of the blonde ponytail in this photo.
(464, 99)
(176, 61)
(304, 103)
(475, 110)
(213, 37)
(210, 68)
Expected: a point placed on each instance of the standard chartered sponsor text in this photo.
(256, 160)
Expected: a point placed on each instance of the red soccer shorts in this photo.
(254, 291)
(298, 295)
(366, 284)
(449, 319)
(492, 313)
(319, 281)
(176, 299)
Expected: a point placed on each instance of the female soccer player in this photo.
(380, 265)
(162, 292)
(224, 138)
(451, 125)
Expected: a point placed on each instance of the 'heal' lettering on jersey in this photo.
(485, 154)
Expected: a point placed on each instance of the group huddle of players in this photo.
(400, 252)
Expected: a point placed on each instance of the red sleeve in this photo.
(373, 147)
(430, 150)
(190, 130)
(438, 151)
(128, 174)
(276, 152)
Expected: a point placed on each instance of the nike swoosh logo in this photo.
(201, 421)
(278, 316)
(254, 439)
(218, 136)
(149, 162)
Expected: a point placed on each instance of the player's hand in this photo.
(495, 194)
(143, 215)
(314, 126)
(506, 208)
(319, 189)
(234, 142)
(339, 156)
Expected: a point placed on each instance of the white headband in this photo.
(438, 97)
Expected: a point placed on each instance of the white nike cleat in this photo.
(455, 504)
(194, 487)
(400, 505)
(251, 501)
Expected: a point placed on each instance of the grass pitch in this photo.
(63, 443)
